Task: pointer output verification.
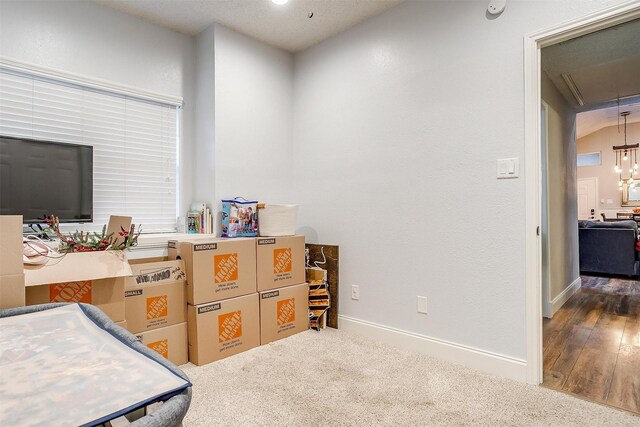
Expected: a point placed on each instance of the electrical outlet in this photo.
(422, 305)
(355, 292)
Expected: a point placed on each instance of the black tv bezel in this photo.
(66, 144)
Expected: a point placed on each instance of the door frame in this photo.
(533, 43)
(595, 180)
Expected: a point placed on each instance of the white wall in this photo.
(398, 123)
(204, 147)
(562, 207)
(95, 41)
(253, 109)
(603, 141)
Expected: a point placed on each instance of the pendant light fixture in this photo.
(626, 158)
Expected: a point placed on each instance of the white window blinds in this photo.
(134, 143)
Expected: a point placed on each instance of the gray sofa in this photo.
(608, 247)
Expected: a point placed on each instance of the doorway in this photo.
(533, 44)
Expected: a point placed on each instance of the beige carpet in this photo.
(332, 378)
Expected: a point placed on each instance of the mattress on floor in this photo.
(59, 368)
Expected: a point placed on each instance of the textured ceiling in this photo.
(285, 26)
(604, 69)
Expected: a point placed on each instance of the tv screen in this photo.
(40, 178)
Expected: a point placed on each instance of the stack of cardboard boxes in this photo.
(222, 311)
(221, 296)
(284, 294)
(155, 307)
(239, 293)
(11, 274)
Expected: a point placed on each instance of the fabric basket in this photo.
(278, 220)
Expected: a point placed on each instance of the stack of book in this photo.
(199, 219)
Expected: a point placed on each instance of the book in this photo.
(199, 219)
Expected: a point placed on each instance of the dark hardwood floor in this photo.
(592, 344)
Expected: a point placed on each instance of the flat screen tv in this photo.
(40, 178)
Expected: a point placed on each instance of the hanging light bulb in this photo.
(626, 153)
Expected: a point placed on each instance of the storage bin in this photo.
(277, 220)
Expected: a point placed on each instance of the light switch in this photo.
(508, 168)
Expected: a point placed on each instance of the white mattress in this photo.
(59, 368)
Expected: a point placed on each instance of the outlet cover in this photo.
(422, 305)
(355, 292)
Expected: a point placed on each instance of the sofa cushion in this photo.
(613, 224)
(630, 224)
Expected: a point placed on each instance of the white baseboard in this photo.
(493, 363)
(550, 307)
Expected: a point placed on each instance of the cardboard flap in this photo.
(117, 224)
(74, 267)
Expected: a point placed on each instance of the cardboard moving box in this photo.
(173, 245)
(280, 262)
(10, 245)
(219, 269)
(78, 266)
(224, 328)
(170, 342)
(155, 295)
(106, 294)
(12, 291)
(283, 312)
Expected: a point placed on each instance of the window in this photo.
(589, 159)
(134, 142)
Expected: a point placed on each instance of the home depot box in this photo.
(218, 269)
(155, 295)
(12, 291)
(172, 249)
(106, 294)
(283, 312)
(280, 262)
(170, 342)
(10, 245)
(173, 245)
(223, 328)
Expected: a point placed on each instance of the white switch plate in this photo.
(508, 168)
(355, 292)
(422, 305)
